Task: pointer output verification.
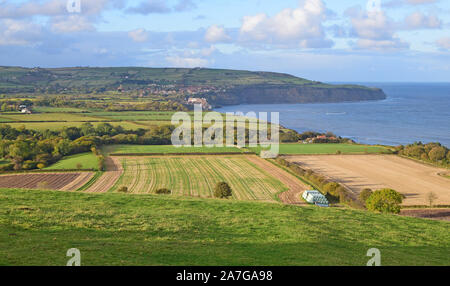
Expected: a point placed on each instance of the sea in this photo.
(412, 112)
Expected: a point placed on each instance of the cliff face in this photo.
(273, 94)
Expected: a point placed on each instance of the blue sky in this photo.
(326, 40)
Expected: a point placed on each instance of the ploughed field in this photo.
(249, 176)
(50, 181)
(414, 180)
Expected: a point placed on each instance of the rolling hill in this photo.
(220, 87)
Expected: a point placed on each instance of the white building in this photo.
(315, 197)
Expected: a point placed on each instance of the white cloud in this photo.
(299, 27)
(382, 45)
(18, 33)
(399, 3)
(187, 62)
(444, 43)
(54, 8)
(71, 24)
(139, 35)
(216, 34)
(416, 2)
(374, 30)
(419, 20)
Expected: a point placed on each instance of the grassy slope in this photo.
(37, 228)
(325, 149)
(24, 80)
(87, 160)
(165, 149)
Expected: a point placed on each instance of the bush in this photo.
(28, 165)
(385, 201)
(365, 194)
(331, 188)
(123, 189)
(7, 167)
(222, 190)
(41, 165)
(101, 163)
(163, 191)
(437, 153)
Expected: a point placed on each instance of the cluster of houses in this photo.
(321, 139)
(172, 89)
(202, 101)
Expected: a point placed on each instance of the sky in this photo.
(324, 40)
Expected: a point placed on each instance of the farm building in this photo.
(315, 197)
(25, 109)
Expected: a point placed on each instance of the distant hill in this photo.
(218, 86)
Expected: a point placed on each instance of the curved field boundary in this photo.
(50, 181)
(296, 187)
(178, 154)
(109, 178)
(82, 179)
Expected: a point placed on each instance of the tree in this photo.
(385, 201)
(331, 188)
(87, 129)
(222, 190)
(365, 194)
(163, 191)
(437, 153)
(431, 197)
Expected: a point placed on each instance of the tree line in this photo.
(430, 152)
(30, 149)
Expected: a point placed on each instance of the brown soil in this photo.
(109, 178)
(296, 187)
(356, 172)
(439, 214)
(50, 181)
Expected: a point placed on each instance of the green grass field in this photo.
(295, 148)
(167, 149)
(38, 227)
(42, 126)
(48, 109)
(87, 160)
(69, 117)
(197, 176)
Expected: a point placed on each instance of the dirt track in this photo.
(296, 187)
(413, 179)
(109, 178)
